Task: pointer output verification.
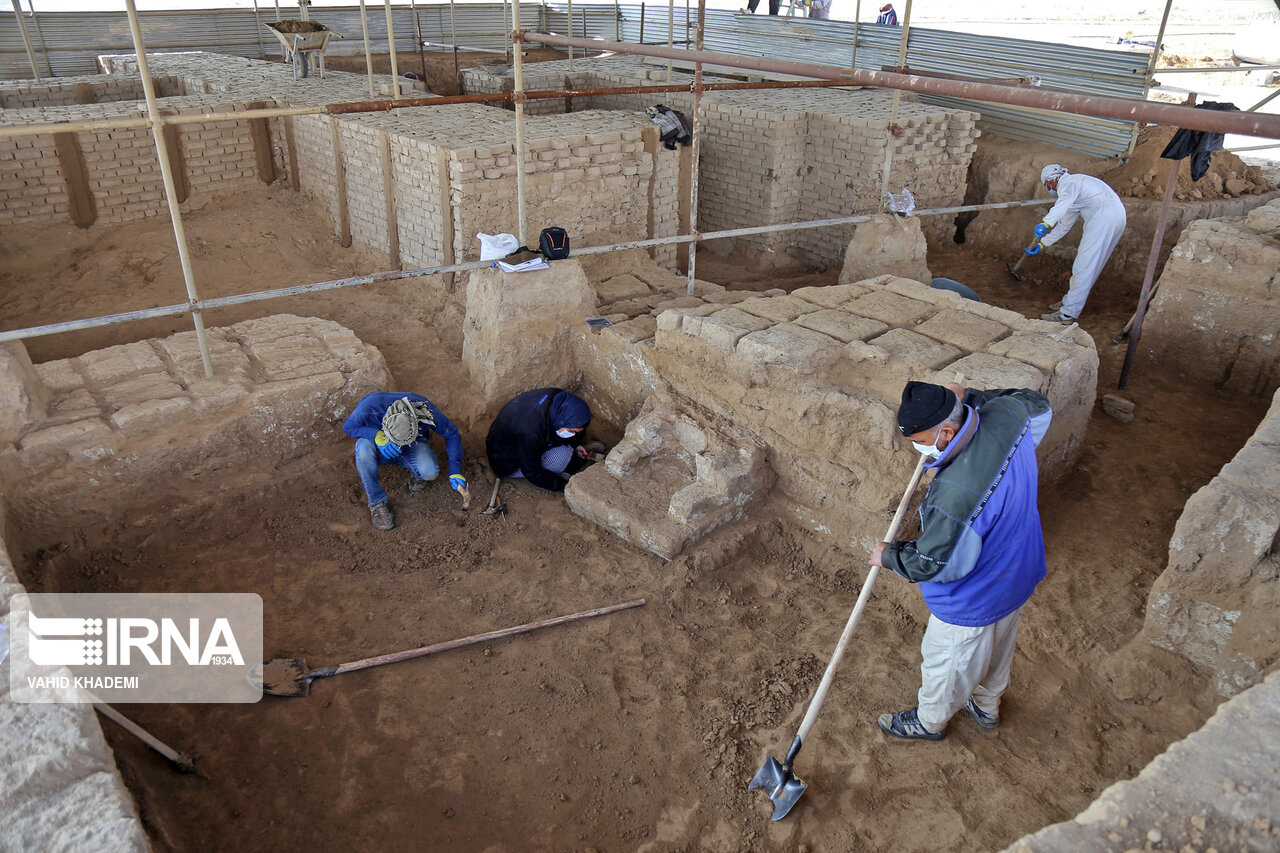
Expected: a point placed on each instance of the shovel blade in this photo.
(285, 677)
(782, 786)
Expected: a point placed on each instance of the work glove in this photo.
(457, 482)
(1041, 229)
(388, 448)
(1034, 248)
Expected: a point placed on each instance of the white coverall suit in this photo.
(1104, 221)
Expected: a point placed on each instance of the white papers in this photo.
(526, 266)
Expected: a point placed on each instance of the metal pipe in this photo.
(257, 26)
(417, 37)
(170, 192)
(44, 50)
(1149, 276)
(857, 15)
(518, 97)
(617, 20)
(453, 29)
(1268, 99)
(277, 2)
(1100, 106)
(569, 18)
(391, 48)
(506, 28)
(696, 146)
(368, 55)
(893, 129)
(1255, 147)
(392, 275)
(1217, 69)
(1149, 74)
(26, 40)
(671, 35)
(1156, 242)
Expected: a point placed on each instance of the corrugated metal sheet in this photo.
(74, 39)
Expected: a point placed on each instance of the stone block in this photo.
(779, 309)
(635, 330)
(788, 346)
(89, 430)
(151, 413)
(114, 364)
(723, 329)
(962, 329)
(891, 309)
(620, 287)
(841, 325)
(915, 353)
(23, 394)
(140, 389)
(670, 480)
(886, 244)
(831, 296)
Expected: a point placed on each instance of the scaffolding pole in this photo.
(44, 50)
(569, 19)
(368, 56)
(257, 27)
(394, 275)
(696, 147)
(518, 96)
(1151, 71)
(391, 48)
(26, 40)
(417, 37)
(170, 192)
(893, 129)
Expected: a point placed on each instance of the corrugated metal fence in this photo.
(70, 41)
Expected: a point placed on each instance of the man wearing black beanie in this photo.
(980, 553)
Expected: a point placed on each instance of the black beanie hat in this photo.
(924, 406)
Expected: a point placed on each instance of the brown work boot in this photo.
(381, 516)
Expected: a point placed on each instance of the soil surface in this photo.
(440, 67)
(635, 731)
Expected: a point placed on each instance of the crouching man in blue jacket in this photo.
(980, 553)
(394, 428)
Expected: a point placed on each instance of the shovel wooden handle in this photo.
(395, 657)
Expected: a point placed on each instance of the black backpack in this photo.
(554, 242)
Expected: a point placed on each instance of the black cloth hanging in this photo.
(1199, 145)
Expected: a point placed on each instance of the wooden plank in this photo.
(340, 170)
(389, 196)
(291, 151)
(80, 201)
(263, 155)
(177, 162)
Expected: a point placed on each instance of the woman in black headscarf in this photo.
(535, 436)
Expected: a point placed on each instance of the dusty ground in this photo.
(638, 730)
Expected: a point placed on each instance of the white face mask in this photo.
(930, 450)
(565, 433)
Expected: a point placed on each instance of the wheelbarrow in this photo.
(298, 39)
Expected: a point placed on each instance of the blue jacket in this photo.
(981, 551)
(366, 419)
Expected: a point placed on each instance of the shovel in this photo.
(777, 780)
(496, 506)
(290, 676)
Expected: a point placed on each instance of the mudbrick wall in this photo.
(776, 157)
(113, 176)
(1216, 315)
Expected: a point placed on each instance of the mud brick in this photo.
(724, 328)
(889, 308)
(915, 352)
(841, 325)
(790, 346)
(962, 329)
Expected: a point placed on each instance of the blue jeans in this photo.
(418, 457)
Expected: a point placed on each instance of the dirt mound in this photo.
(1146, 174)
(297, 27)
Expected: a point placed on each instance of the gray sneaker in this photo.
(906, 724)
(1058, 317)
(981, 717)
(1056, 306)
(381, 516)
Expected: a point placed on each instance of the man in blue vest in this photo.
(980, 553)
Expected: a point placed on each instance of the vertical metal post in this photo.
(641, 24)
(368, 55)
(617, 20)
(453, 34)
(277, 10)
(696, 147)
(569, 17)
(170, 191)
(517, 42)
(857, 22)
(257, 26)
(391, 48)
(417, 35)
(44, 51)
(1156, 243)
(1151, 70)
(26, 41)
(893, 114)
(302, 9)
(671, 32)
(506, 26)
